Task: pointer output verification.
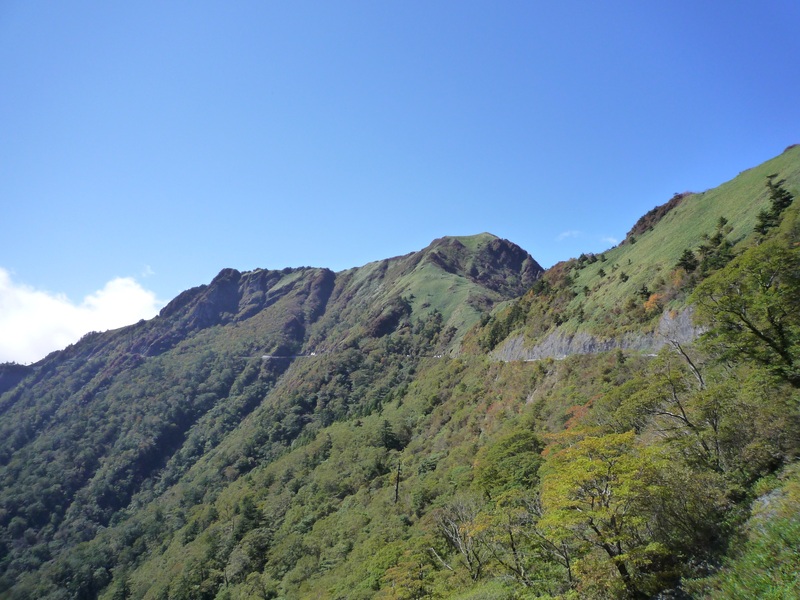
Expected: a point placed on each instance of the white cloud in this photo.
(34, 322)
(572, 233)
(610, 240)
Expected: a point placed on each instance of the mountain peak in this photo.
(469, 241)
(485, 259)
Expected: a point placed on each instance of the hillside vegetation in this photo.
(629, 287)
(310, 434)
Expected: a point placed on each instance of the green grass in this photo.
(656, 252)
(426, 285)
(475, 242)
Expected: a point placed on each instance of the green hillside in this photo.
(310, 434)
(653, 254)
(606, 295)
(115, 420)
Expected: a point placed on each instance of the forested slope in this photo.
(226, 378)
(309, 434)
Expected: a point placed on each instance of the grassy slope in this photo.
(656, 252)
(607, 308)
(426, 285)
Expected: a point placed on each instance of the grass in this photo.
(426, 285)
(655, 253)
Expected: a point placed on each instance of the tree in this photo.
(672, 400)
(780, 199)
(413, 574)
(510, 462)
(388, 438)
(596, 491)
(653, 303)
(752, 309)
(522, 550)
(688, 261)
(460, 526)
(717, 251)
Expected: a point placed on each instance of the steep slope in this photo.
(98, 421)
(459, 278)
(378, 469)
(114, 420)
(634, 296)
(308, 434)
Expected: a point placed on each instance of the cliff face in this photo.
(672, 327)
(234, 297)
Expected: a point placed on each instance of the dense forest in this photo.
(453, 423)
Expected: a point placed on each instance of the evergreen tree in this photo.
(688, 261)
(780, 200)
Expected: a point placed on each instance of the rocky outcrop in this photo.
(234, 297)
(496, 264)
(673, 326)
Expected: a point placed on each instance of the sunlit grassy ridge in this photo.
(654, 254)
(452, 277)
(626, 288)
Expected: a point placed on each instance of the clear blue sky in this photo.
(163, 141)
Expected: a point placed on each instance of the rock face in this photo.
(493, 263)
(235, 297)
(676, 327)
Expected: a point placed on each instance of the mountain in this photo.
(383, 432)
(602, 300)
(126, 411)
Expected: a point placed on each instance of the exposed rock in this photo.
(497, 264)
(673, 326)
(235, 297)
(221, 297)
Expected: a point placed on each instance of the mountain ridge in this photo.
(309, 433)
(151, 391)
(614, 286)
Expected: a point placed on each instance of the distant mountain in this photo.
(404, 430)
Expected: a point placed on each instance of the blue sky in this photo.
(144, 146)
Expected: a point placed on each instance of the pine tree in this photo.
(688, 261)
(780, 200)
